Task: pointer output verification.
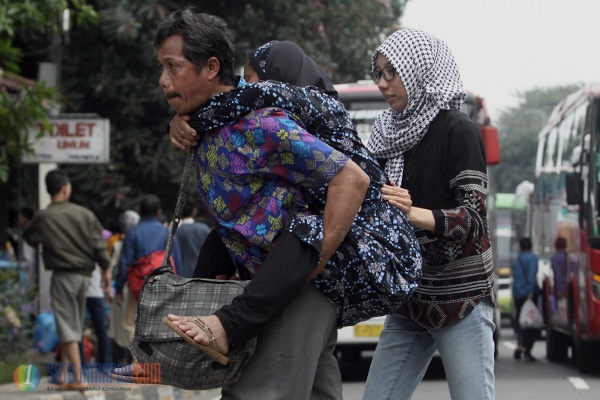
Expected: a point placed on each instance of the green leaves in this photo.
(340, 35)
(109, 68)
(24, 105)
(518, 129)
(26, 110)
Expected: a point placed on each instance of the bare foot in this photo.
(195, 332)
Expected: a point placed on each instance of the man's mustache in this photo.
(170, 95)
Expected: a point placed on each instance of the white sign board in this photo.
(84, 140)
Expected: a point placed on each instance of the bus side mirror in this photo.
(489, 134)
(574, 188)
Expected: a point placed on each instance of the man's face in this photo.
(183, 87)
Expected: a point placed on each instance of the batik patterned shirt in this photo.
(250, 174)
(377, 267)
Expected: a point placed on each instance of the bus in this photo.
(565, 203)
(364, 103)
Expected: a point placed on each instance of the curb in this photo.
(44, 391)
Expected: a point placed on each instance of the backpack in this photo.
(142, 267)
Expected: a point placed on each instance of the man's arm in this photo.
(345, 195)
(100, 251)
(126, 260)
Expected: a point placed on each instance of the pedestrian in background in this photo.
(148, 236)
(120, 337)
(96, 307)
(190, 237)
(435, 159)
(524, 287)
(560, 266)
(72, 244)
(23, 252)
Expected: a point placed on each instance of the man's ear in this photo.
(213, 67)
(64, 190)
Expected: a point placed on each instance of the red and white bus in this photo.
(364, 103)
(566, 203)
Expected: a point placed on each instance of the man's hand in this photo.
(182, 135)
(106, 278)
(105, 283)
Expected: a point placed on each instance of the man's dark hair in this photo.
(13, 217)
(560, 243)
(188, 208)
(150, 206)
(204, 36)
(525, 244)
(55, 180)
(27, 213)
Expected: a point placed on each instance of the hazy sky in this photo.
(505, 46)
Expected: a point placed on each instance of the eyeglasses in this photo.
(388, 73)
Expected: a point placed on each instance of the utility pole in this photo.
(49, 72)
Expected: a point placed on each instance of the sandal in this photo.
(211, 349)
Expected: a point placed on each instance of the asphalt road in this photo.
(515, 380)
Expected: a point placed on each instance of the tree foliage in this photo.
(518, 129)
(111, 69)
(339, 34)
(25, 104)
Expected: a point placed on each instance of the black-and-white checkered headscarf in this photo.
(430, 75)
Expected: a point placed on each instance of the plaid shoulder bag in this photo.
(181, 364)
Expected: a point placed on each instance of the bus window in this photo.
(597, 124)
(550, 152)
(569, 132)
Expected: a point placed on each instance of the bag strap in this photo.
(181, 198)
(243, 272)
(522, 267)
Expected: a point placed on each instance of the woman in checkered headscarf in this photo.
(435, 159)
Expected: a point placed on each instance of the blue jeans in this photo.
(95, 306)
(406, 348)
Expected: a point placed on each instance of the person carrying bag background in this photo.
(524, 273)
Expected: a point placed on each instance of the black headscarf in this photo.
(286, 62)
